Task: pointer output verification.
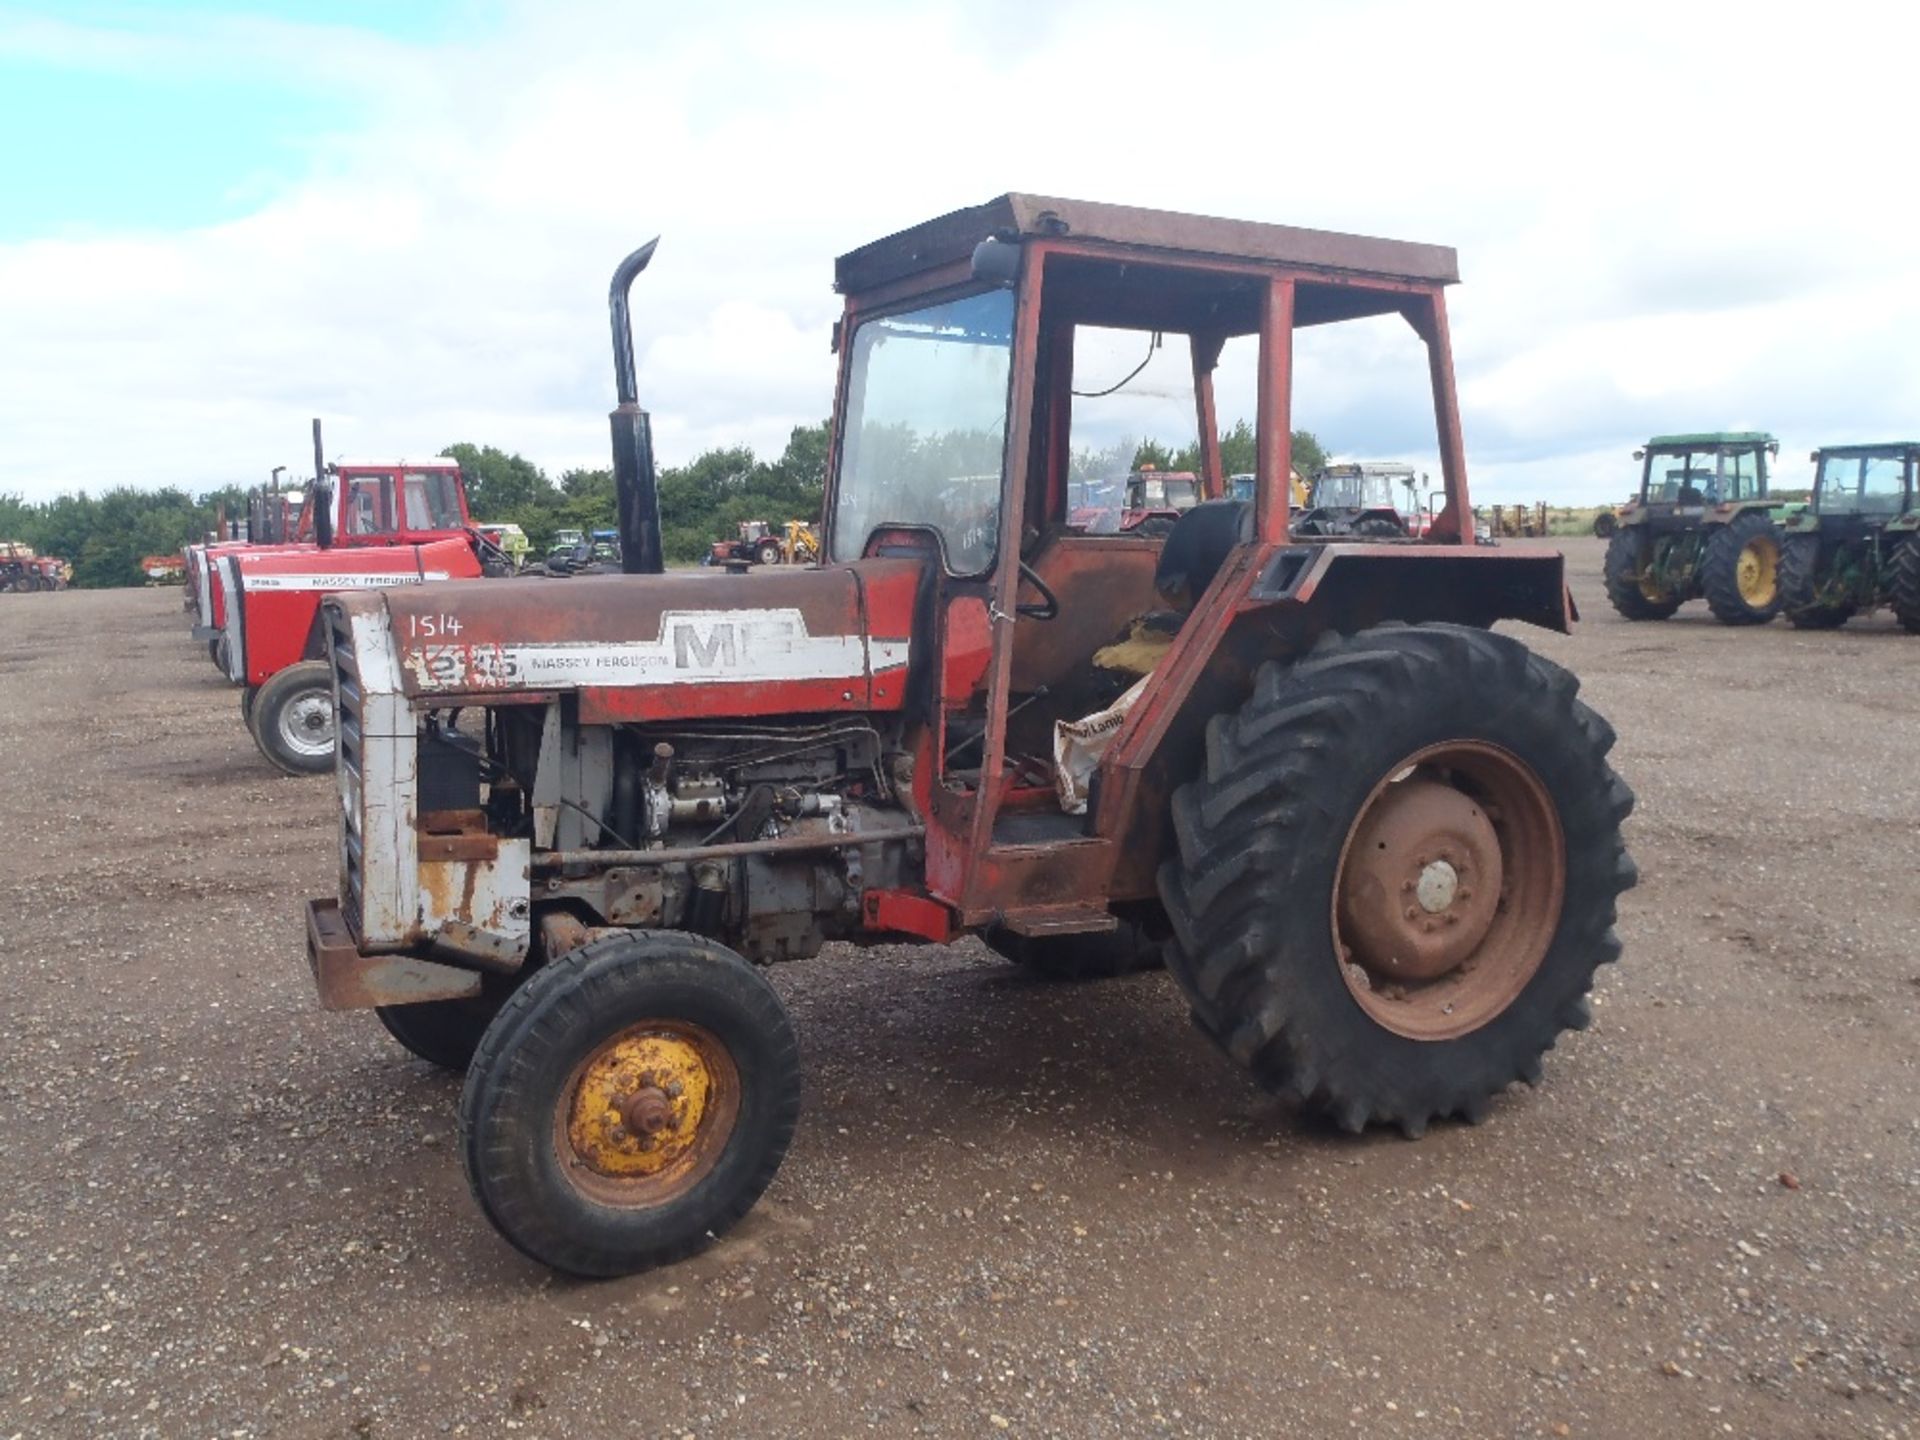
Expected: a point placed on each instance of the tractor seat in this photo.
(1196, 548)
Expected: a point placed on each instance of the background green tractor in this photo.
(1857, 546)
(1701, 527)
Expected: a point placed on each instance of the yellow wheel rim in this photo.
(1757, 572)
(645, 1116)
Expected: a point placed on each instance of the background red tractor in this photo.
(375, 523)
(1377, 843)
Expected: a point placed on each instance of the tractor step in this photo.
(1059, 920)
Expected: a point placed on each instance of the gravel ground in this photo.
(1010, 1208)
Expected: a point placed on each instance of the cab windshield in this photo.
(1353, 490)
(926, 427)
(1701, 477)
(1862, 485)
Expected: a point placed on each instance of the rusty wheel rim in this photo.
(645, 1116)
(1448, 890)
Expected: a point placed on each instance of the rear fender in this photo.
(1274, 607)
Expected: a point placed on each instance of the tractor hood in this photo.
(652, 647)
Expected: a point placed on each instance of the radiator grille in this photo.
(349, 762)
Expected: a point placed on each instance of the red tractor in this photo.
(375, 524)
(1376, 842)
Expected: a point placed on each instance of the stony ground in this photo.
(1010, 1209)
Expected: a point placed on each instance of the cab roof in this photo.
(1712, 437)
(953, 236)
(1875, 447)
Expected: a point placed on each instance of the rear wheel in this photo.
(1800, 583)
(1398, 873)
(1377, 527)
(1741, 571)
(630, 1103)
(767, 552)
(292, 718)
(1905, 592)
(1126, 950)
(1631, 587)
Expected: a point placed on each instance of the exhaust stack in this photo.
(635, 485)
(322, 500)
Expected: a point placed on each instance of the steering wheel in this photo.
(1046, 611)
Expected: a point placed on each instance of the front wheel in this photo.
(1741, 571)
(443, 1032)
(292, 719)
(630, 1103)
(1398, 873)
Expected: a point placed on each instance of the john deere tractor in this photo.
(1857, 547)
(1701, 526)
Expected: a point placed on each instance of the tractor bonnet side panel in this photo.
(775, 641)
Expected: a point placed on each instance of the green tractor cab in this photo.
(1702, 527)
(1857, 546)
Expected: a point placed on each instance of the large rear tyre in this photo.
(1740, 572)
(1904, 593)
(1127, 950)
(1398, 873)
(1633, 591)
(443, 1032)
(630, 1103)
(768, 552)
(1800, 584)
(292, 719)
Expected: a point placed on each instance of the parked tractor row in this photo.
(1248, 735)
(256, 602)
(22, 571)
(1705, 527)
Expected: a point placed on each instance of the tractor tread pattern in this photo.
(1904, 593)
(1258, 833)
(1720, 570)
(1622, 575)
(1799, 583)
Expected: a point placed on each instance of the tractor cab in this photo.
(1704, 472)
(405, 502)
(1867, 481)
(1358, 499)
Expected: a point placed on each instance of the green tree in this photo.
(499, 483)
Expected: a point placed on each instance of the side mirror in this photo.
(1639, 454)
(997, 262)
(1773, 447)
(1814, 458)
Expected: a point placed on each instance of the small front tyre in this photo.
(443, 1032)
(630, 1103)
(292, 718)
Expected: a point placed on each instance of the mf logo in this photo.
(729, 642)
(692, 650)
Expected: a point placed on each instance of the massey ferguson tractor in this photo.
(374, 524)
(1857, 546)
(1702, 525)
(1377, 843)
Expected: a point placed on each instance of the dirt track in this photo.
(1011, 1208)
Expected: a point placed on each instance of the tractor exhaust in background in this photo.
(635, 485)
(322, 500)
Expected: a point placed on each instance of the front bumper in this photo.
(349, 980)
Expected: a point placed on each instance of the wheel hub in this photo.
(1756, 572)
(639, 1105)
(306, 724)
(1422, 882)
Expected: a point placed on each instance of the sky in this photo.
(218, 220)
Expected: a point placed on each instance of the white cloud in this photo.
(1665, 222)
